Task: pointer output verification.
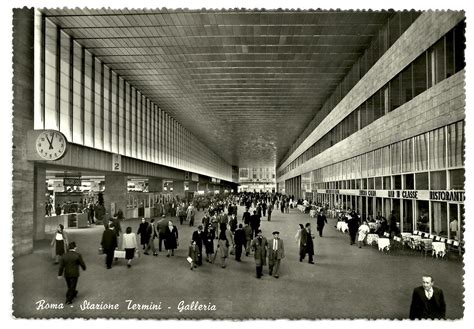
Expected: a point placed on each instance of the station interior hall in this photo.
(147, 112)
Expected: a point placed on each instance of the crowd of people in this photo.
(222, 233)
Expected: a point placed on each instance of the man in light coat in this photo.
(276, 252)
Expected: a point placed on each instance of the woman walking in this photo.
(59, 243)
(209, 236)
(171, 238)
(129, 244)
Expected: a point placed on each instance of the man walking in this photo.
(306, 244)
(240, 241)
(69, 265)
(109, 243)
(152, 233)
(427, 301)
(320, 222)
(259, 245)
(198, 237)
(276, 252)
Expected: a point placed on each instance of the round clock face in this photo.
(51, 145)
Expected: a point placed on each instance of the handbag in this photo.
(101, 251)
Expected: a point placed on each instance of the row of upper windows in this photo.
(397, 24)
(439, 62)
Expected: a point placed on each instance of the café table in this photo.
(372, 238)
(383, 244)
(439, 249)
(342, 226)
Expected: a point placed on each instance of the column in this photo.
(23, 194)
(115, 196)
(39, 202)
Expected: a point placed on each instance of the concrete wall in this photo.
(439, 106)
(422, 34)
(23, 99)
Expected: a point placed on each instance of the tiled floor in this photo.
(345, 282)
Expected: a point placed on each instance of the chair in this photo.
(427, 247)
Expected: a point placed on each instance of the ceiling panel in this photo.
(244, 82)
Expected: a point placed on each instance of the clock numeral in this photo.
(62, 145)
(39, 145)
(42, 139)
(61, 140)
(41, 151)
(50, 155)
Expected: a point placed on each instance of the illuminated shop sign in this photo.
(332, 191)
(367, 193)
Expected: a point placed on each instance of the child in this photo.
(193, 254)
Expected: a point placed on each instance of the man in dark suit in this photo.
(152, 233)
(246, 216)
(198, 237)
(69, 265)
(109, 243)
(320, 222)
(254, 223)
(306, 244)
(240, 240)
(427, 301)
(276, 252)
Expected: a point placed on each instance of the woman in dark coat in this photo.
(209, 236)
(171, 238)
(143, 231)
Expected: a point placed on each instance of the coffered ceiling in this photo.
(244, 82)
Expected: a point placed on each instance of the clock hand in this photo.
(48, 140)
(51, 143)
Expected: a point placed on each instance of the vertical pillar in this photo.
(39, 202)
(115, 193)
(192, 186)
(23, 120)
(155, 185)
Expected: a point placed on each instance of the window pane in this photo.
(395, 151)
(407, 156)
(456, 179)
(98, 106)
(50, 76)
(421, 152)
(114, 111)
(422, 181)
(422, 223)
(406, 85)
(88, 100)
(439, 220)
(438, 180)
(77, 136)
(66, 87)
(459, 44)
(419, 74)
(437, 149)
(456, 144)
(409, 182)
(395, 85)
(107, 108)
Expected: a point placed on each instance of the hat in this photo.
(276, 232)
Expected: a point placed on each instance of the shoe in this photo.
(128, 265)
(155, 254)
(195, 266)
(68, 302)
(270, 273)
(223, 266)
(167, 255)
(360, 247)
(310, 262)
(276, 276)
(145, 253)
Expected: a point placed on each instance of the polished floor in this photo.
(346, 282)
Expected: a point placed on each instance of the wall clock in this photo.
(51, 145)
